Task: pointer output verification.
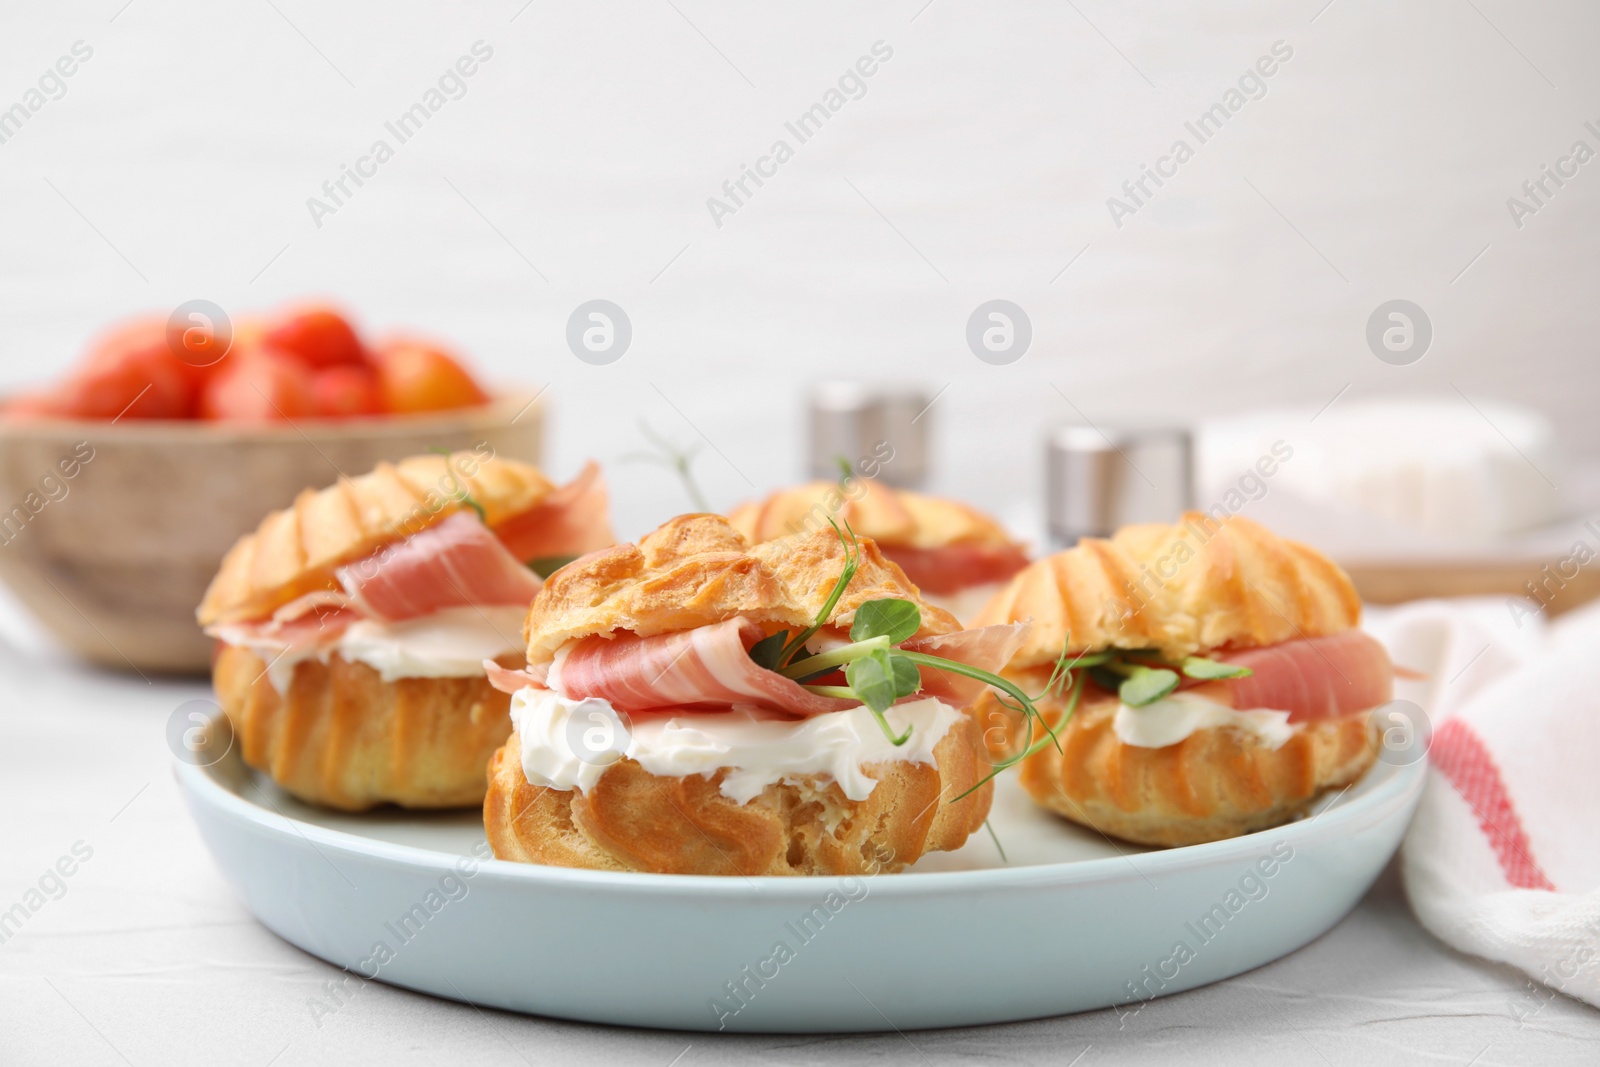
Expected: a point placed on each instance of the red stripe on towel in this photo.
(1460, 755)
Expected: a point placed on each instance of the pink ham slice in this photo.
(509, 681)
(308, 626)
(569, 522)
(710, 668)
(455, 563)
(1311, 678)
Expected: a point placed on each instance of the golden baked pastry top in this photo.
(295, 551)
(897, 518)
(695, 570)
(1194, 586)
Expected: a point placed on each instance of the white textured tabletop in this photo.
(146, 955)
(980, 162)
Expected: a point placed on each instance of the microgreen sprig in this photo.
(877, 671)
(1065, 672)
(852, 563)
(1199, 667)
(1141, 677)
(1030, 747)
(679, 460)
(846, 472)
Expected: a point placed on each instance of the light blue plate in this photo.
(1073, 922)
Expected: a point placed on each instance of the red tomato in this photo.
(255, 385)
(418, 377)
(320, 336)
(123, 337)
(345, 392)
(142, 387)
(197, 343)
(132, 372)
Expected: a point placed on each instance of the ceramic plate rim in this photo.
(1396, 790)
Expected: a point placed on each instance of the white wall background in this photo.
(990, 142)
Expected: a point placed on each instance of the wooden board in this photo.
(1397, 581)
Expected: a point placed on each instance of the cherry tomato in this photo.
(249, 333)
(141, 386)
(111, 345)
(197, 341)
(133, 372)
(418, 377)
(320, 336)
(345, 392)
(257, 385)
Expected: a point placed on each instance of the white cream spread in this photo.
(1173, 718)
(452, 643)
(567, 744)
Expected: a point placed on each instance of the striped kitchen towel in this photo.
(1503, 858)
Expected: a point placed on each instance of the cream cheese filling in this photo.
(452, 643)
(567, 744)
(1173, 718)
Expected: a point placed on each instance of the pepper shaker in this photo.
(882, 433)
(1097, 481)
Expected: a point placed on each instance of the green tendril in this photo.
(878, 672)
(883, 724)
(996, 839)
(852, 561)
(834, 657)
(1075, 695)
(679, 460)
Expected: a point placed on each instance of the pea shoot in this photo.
(878, 672)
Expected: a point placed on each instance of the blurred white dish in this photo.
(1445, 470)
(1073, 922)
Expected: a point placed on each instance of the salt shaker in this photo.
(881, 432)
(1096, 481)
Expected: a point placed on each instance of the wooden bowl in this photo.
(110, 532)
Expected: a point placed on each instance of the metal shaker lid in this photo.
(1097, 480)
(881, 432)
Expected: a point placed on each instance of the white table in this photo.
(1406, 128)
(149, 957)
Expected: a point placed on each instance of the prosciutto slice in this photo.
(1311, 678)
(569, 522)
(509, 681)
(455, 563)
(309, 626)
(953, 568)
(709, 668)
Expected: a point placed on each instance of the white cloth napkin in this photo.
(1503, 858)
